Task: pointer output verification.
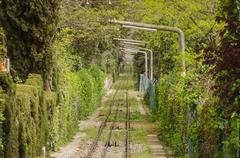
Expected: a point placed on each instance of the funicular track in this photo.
(127, 128)
(104, 124)
(108, 141)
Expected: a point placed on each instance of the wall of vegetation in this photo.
(30, 28)
(197, 115)
(33, 117)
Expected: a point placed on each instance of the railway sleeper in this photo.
(117, 128)
(112, 144)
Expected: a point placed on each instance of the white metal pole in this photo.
(129, 40)
(8, 65)
(151, 64)
(133, 43)
(139, 28)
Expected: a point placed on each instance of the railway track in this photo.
(103, 125)
(108, 141)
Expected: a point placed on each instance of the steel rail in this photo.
(103, 125)
(129, 40)
(127, 124)
(107, 143)
(127, 139)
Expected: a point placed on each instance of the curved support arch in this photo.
(161, 28)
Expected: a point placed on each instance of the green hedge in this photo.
(21, 119)
(189, 118)
(78, 95)
(99, 78)
(90, 91)
(34, 118)
(2, 102)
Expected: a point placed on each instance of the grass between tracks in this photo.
(138, 135)
(135, 114)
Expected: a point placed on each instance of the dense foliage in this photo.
(227, 74)
(195, 18)
(3, 50)
(89, 37)
(30, 28)
(30, 117)
(34, 118)
(186, 111)
(226, 64)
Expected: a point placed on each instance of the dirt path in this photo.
(158, 150)
(70, 150)
(140, 106)
(156, 147)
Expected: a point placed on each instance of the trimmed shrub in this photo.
(35, 119)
